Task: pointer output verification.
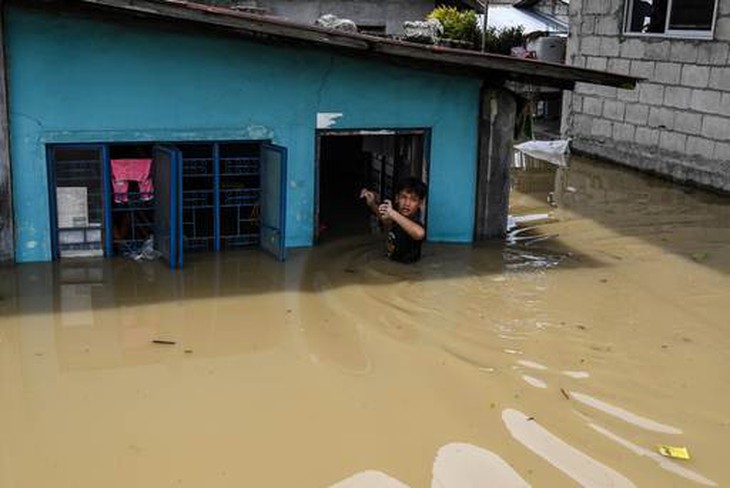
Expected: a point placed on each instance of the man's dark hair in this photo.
(413, 185)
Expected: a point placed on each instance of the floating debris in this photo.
(673, 452)
(665, 464)
(160, 341)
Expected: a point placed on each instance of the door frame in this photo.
(283, 153)
(319, 133)
(175, 210)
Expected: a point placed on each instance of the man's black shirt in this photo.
(402, 247)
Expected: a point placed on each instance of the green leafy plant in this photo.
(462, 26)
(459, 25)
(502, 41)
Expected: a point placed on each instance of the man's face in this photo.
(408, 203)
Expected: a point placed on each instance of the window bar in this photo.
(216, 198)
(106, 191)
(51, 164)
(669, 15)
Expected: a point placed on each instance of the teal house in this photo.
(206, 129)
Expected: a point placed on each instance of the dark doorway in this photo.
(351, 160)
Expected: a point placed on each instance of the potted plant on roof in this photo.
(460, 27)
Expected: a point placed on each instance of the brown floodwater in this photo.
(600, 330)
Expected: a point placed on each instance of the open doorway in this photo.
(132, 202)
(348, 161)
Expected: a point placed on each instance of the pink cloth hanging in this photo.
(126, 170)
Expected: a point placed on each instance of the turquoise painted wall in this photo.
(74, 79)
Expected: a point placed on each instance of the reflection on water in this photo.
(624, 415)
(582, 468)
(341, 367)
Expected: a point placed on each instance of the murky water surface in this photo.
(565, 357)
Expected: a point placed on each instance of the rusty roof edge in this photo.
(225, 17)
(524, 67)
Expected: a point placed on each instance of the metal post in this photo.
(496, 120)
(485, 15)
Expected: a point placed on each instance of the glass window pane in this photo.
(638, 16)
(658, 17)
(692, 15)
(647, 16)
(78, 170)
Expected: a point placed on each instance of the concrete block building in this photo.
(558, 9)
(677, 123)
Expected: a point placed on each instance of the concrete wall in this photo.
(677, 123)
(388, 13)
(554, 8)
(75, 79)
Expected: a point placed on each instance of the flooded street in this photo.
(563, 358)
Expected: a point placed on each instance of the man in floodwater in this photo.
(401, 222)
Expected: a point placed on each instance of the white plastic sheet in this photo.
(551, 151)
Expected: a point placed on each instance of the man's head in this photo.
(410, 194)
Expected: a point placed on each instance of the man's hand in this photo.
(388, 215)
(369, 196)
(371, 199)
(386, 210)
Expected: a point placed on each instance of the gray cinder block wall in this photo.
(553, 8)
(677, 122)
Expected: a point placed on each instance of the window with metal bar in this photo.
(671, 18)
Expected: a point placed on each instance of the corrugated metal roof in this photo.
(529, 3)
(505, 16)
(517, 3)
(436, 58)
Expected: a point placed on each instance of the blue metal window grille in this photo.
(133, 211)
(198, 197)
(77, 200)
(239, 191)
(207, 197)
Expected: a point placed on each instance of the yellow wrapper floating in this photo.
(673, 452)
